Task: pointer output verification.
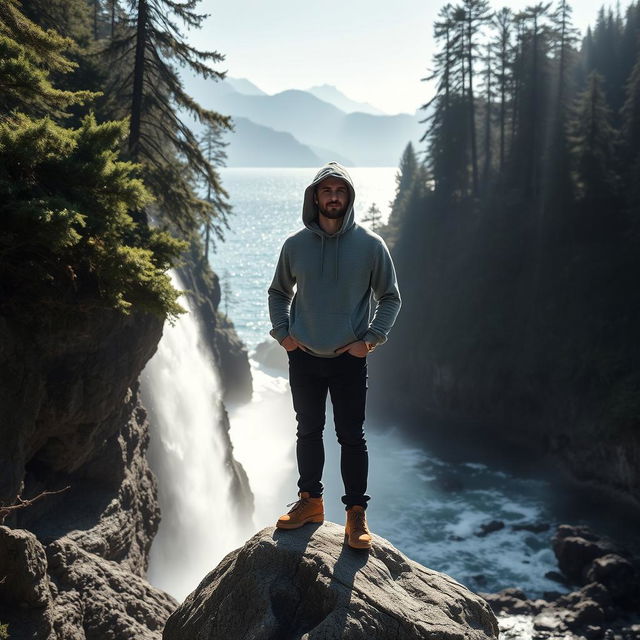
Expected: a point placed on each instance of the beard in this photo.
(333, 212)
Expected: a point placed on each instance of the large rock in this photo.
(307, 584)
(66, 592)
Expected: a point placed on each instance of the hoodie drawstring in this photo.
(322, 255)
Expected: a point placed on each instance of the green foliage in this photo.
(4, 632)
(144, 85)
(28, 54)
(67, 234)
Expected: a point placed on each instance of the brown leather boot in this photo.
(307, 509)
(356, 530)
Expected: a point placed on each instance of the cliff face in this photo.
(72, 564)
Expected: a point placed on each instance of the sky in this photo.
(373, 51)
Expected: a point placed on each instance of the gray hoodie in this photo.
(334, 275)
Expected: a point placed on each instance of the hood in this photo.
(310, 211)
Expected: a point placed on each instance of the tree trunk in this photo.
(138, 80)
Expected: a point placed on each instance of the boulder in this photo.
(576, 547)
(308, 584)
(617, 574)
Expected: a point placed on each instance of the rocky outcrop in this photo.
(64, 591)
(306, 583)
(605, 604)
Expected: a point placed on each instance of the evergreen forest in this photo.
(516, 228)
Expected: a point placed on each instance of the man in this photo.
(335, 265)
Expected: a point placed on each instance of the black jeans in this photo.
(345, 378)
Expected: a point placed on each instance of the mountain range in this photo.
(296, 128)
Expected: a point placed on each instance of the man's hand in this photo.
(358, 349)
(291, 344)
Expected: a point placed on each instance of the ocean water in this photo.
(430, 509)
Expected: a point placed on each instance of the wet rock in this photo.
(549, 622)
(592, 632)
(489, 527)
(586, 612)
(307, 583)
(596, 592)
(576, 547)
(617, 574)
(533, 527)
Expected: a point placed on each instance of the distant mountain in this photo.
(363, 139)
(326, 155)
(333, 96)
(252, 145)
(242, 85)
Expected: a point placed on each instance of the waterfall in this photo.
(189, 454)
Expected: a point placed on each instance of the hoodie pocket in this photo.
(322, 331)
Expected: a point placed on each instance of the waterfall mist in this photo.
(189, 453)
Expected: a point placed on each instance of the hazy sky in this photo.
(372, 50)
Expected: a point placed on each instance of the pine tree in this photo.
(66, 237)
(28, 55)
(476, 13)
(150, 92)
(504, 52)
(593, 146)
(373, 217)
(448, 150)
(214, 149)
(631, 137)
(488, 115)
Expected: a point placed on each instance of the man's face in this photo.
(332, 197)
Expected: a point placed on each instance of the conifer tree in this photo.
(475, 13)
(631, 137)
(151, 93)
(503, 52)
(593, 145)
(28, 55)
(66, 237)
(214, 149)
(448, 154)
(373, 217)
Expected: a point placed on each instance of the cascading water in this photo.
(189, 454)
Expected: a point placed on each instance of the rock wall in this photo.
(72, 565)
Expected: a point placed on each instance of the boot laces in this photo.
(297, 504)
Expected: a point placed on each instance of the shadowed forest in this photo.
(515, 232)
